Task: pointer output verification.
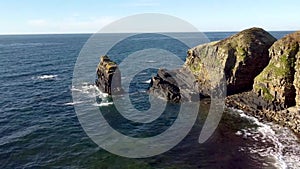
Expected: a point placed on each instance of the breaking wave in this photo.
(44, 77)
(271, 140)
(92, 91)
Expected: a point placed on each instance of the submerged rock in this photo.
(280, 80)
(108, 76)
(242, 57)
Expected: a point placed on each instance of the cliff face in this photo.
(106, 70)
(242, 57)
(280, 80)
(262, 77)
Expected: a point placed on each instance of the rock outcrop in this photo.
(174, 85)
(262, 77)
(108, 76)
(257, 106)
(276, 90)
(164, 85)
(280, 81)
(242, 57)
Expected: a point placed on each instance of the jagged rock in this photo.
(165, 86)
(173, 85)
(108, 76)
(280, 80)
(276, 87)
(242, 57)
(255, 105)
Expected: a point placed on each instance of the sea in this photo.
(39, 127)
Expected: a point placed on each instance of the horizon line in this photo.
(78, 33)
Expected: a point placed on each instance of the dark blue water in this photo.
(39, 127)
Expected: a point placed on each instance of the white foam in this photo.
(279, 142)
(92, 91)
(239, 133)
(75, 89)
(87, 88)
(147, 81)
(103, 104)
(47, 77)
(101, 93)
(151, 61)
(73, 103)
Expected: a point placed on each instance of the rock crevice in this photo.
(242, 57)
(108, 76)
(262, 75)
(279, 81)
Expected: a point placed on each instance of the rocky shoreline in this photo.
(256, 106)
(262, 75)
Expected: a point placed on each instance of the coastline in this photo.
(255, 106)
(254, 84)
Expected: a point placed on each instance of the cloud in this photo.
(86, 25)
(74, 24)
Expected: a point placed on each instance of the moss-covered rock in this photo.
(280, 80)
(242, 57)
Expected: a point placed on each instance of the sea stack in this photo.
(108, 76)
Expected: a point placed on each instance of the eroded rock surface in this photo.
(280, 80)
(108, 76)
(257, 106)
(174, 85)
(242, 57)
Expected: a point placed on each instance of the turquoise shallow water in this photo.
(39, 127)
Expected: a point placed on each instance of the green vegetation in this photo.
(279, 70)
(265, 92)
(195, 68)
(241, 54)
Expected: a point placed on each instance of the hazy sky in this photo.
(88, 16)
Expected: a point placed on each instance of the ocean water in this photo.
(39, 127)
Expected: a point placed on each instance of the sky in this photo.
(89, 16)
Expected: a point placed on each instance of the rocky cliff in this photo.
(276, 93)
(262, 76)
(108, 76)
(242, 57)
(280, 80)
